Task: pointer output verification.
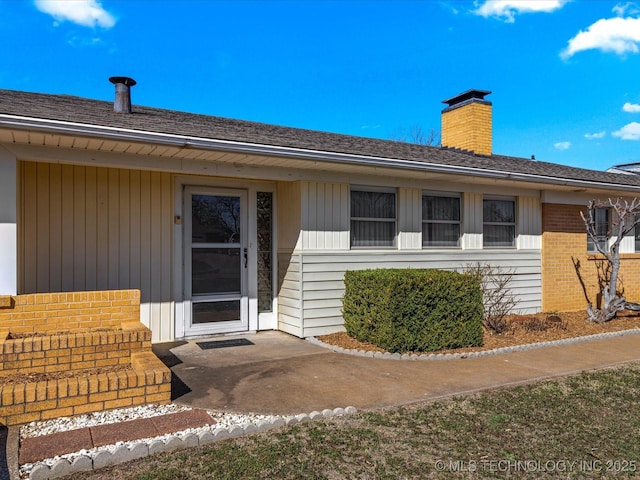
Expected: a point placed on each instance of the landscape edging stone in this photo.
(122, 454)
(481, 353)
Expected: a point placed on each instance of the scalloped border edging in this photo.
(103, 458)
(483, 353)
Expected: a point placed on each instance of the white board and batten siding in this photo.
(92, 228)
(529, 221)
(289, 241)
(472, 220)
(98, 228)
(324, 215)
(312, 274)
(409, 218)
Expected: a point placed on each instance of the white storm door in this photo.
(216, 260)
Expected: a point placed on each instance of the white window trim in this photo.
(364, 188)
(636, 235)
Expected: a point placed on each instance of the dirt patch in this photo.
(18, 378)
(523, 330)
(16, 335)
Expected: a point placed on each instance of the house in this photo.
(227, 225)
(628, 168)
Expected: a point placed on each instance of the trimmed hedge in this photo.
(413, 310)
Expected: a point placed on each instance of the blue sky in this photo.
(565, 75)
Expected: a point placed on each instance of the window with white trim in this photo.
(440, 220)
(373, 217)
(601, 217)
(499, 222)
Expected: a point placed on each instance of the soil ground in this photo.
(39, 377)
(523, 330)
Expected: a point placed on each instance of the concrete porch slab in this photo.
(281, 374)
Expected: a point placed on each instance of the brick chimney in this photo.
(466, 122)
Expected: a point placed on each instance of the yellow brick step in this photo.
(148, 382)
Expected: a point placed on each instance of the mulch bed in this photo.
(523, 330)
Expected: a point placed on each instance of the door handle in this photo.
(246, 258)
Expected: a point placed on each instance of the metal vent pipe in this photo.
(122, 103)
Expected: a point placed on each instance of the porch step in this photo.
(132, 374)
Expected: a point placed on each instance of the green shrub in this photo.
(413, 310)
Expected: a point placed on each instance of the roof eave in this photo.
(182, 141)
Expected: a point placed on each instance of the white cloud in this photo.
(631, 107)
(623, 9)
(508, 9)
(82, 42)
(617, 35)
(630, 131)
(562, 145)
(594, 136)
(88, 13)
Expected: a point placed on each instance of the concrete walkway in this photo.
(281, 374)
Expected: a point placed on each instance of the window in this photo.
(373, 218)
(601, 219)
(499, 222)
(440, 220)
(265, 251)
(638, 232)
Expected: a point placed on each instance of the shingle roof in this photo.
(79, 110)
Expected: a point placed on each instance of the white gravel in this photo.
(63, 424)
(34, 429)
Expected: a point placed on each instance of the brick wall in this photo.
(148, 382)
(76, 332)
(46, 312)
(564, 253)
(72, 351)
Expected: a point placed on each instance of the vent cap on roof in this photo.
(122, 103)
(469, 95)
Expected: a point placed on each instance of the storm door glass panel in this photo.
(216, 258)
(210, 312)
(215, 219)
(215, 270)
(265, 251)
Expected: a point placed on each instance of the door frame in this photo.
(242, 324)
(182, 305)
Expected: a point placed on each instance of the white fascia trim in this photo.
(182, 141)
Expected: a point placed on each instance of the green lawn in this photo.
(584, 426)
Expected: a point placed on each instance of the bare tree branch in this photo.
(498, 300)
(417, 135)
(625, 220)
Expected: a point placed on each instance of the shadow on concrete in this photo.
(178, 387)
(4, 465)
(164, 353)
